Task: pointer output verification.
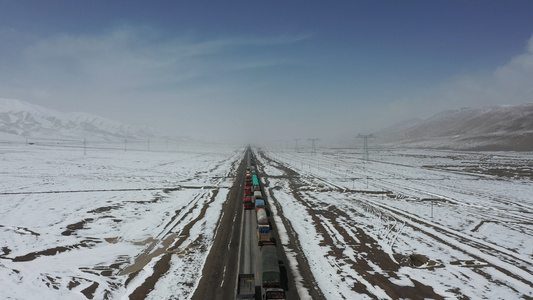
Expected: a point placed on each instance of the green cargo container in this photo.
(270, 267)
(255, 181)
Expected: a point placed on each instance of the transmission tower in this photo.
(313, 147)
(365, 144)
(296, 140)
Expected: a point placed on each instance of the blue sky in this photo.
(294, 69)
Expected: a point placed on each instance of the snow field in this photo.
(466, 200)
(105, 208)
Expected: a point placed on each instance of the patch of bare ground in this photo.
(103, 209)
(475, 229)
(21, 230)
(56, 250)
(163, 264)
(89, 291)
(76, 226)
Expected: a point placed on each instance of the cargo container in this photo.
(247, 202)
(259, 203)
(262, 218)
(246, 286)
(257, 195)
(248, 191)
(263, 234)
(270, 267)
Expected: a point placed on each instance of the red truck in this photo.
(248, 190)
(247, 202)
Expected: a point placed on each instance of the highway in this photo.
(249, 255)
(235, 250)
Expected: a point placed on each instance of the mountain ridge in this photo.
(30, 120)
(496, 127)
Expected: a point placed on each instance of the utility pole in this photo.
(313, 147)
(365, 144)
(296, 140)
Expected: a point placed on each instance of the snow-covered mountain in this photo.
(21, 118)
(502, 127)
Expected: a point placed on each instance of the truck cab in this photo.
(274, 294)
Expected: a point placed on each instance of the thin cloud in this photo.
(128, 58)
(509, 84)
(140, 75)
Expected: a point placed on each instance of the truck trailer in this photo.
(262, 218)
(259, 203)
(247, 202)
(258, 195)
(270, 267)
(246, 287)
(263, 234)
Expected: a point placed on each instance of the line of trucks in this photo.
(270, 272)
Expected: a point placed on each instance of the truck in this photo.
(270, 267)
(246, 286)
(262, 218)
(263, 234)
(258, 195)
(259, 203)
(274, 294)
(247, 202)
(248, 190)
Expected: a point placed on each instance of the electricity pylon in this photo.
(313, 144)
(365, 144)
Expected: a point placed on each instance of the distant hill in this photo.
(28, 120)
(502, 127)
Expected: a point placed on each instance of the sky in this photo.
(266, 69)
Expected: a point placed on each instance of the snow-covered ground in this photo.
(75, 225)
(78, 224)
(470, 214)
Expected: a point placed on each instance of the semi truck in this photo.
(269, 267)
(247, 202)
(259, 203)
(255, 180)
(258, 195)
(274, 294)
(246, 286)
(248, 190)
(263, 234)
(262, 218)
